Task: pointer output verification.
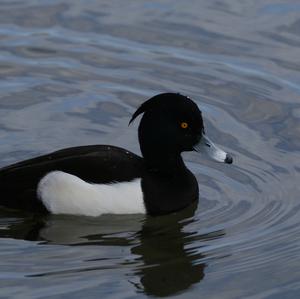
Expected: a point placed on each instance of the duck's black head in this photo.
(172, 123)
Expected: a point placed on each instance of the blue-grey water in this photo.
(72, 72)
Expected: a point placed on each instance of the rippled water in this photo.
(72, 72)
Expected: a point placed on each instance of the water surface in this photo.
(73, 72)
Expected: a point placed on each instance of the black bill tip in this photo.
(228, 159)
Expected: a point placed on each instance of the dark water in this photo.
(72, 72)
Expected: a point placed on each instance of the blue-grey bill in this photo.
(207, 146)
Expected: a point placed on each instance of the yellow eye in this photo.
(184, 125)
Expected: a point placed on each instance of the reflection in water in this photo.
(18, 225)
(163, 264)
(68, 230)
(168, 266)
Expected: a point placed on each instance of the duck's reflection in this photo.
(164, 261)
(169, 266)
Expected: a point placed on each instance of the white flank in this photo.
(63, 193)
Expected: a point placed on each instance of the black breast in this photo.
(165, 194)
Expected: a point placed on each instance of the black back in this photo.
(94, 164)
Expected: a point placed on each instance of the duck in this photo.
(93, 180)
